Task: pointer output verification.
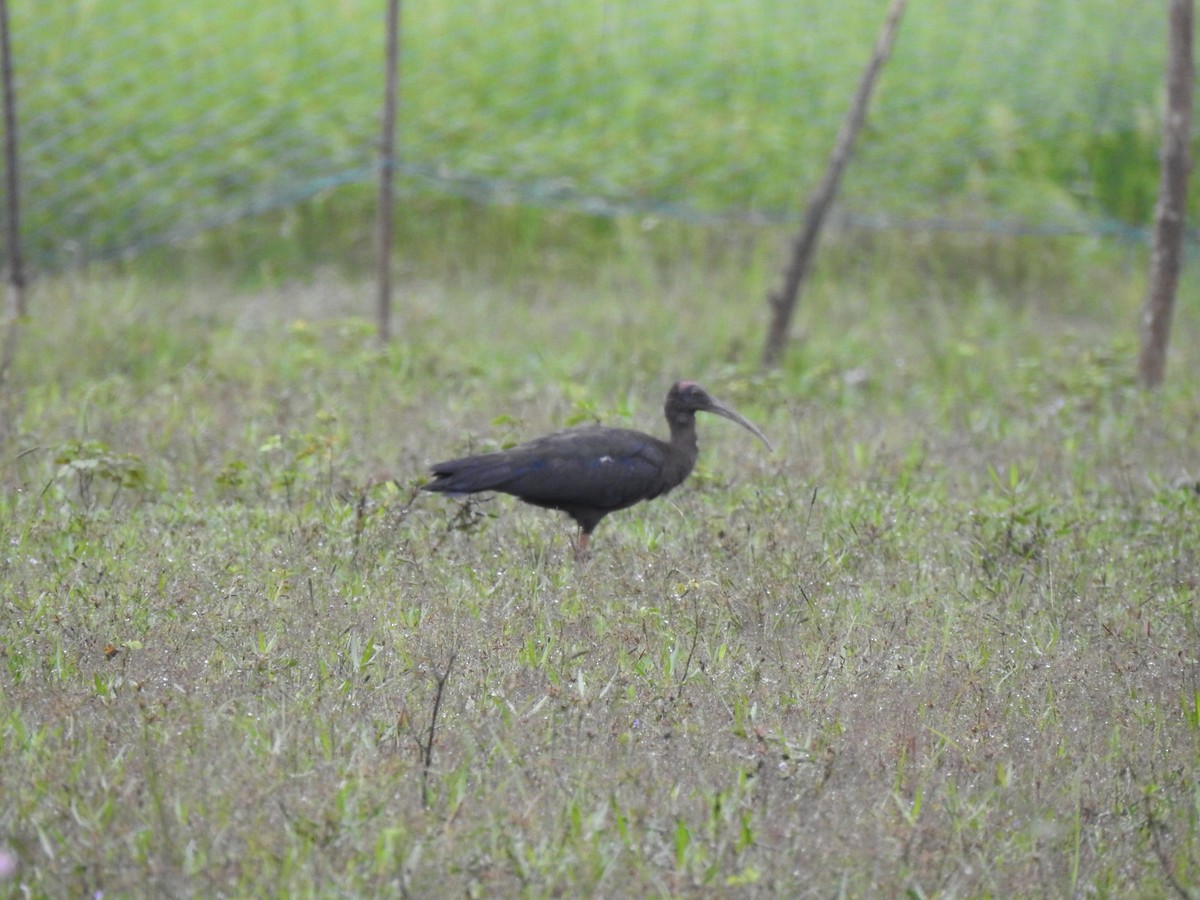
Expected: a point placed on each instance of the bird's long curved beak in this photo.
(733, 415)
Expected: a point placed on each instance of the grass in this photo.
(941, 643)
(145, 125)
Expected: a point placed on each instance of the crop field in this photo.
(941, 642)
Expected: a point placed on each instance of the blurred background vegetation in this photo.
(533, 122)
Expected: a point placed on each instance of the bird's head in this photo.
(686, 398)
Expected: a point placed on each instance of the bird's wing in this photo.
(603, 468)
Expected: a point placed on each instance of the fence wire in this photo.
(144, 123)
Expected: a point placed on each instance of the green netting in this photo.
(146, 122)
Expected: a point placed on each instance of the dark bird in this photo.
(591, 471)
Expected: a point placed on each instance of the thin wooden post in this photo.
(1166, 256)
(387, 173)
(783, 301)
(12, 179)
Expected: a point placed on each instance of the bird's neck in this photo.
(683, 442)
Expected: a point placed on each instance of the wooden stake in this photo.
(1166, 256)
(387, 175)
(12, 177)
(12, 183)
(783, 301)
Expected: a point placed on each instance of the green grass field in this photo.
(144, 123)
(941, 642)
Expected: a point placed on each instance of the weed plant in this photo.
(942, 642)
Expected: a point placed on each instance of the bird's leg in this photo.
(581, 548)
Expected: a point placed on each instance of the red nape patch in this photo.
(684, 385)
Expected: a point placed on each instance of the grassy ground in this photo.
(144, 123)
(942, 642)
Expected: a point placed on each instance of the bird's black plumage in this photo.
(592, 471)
